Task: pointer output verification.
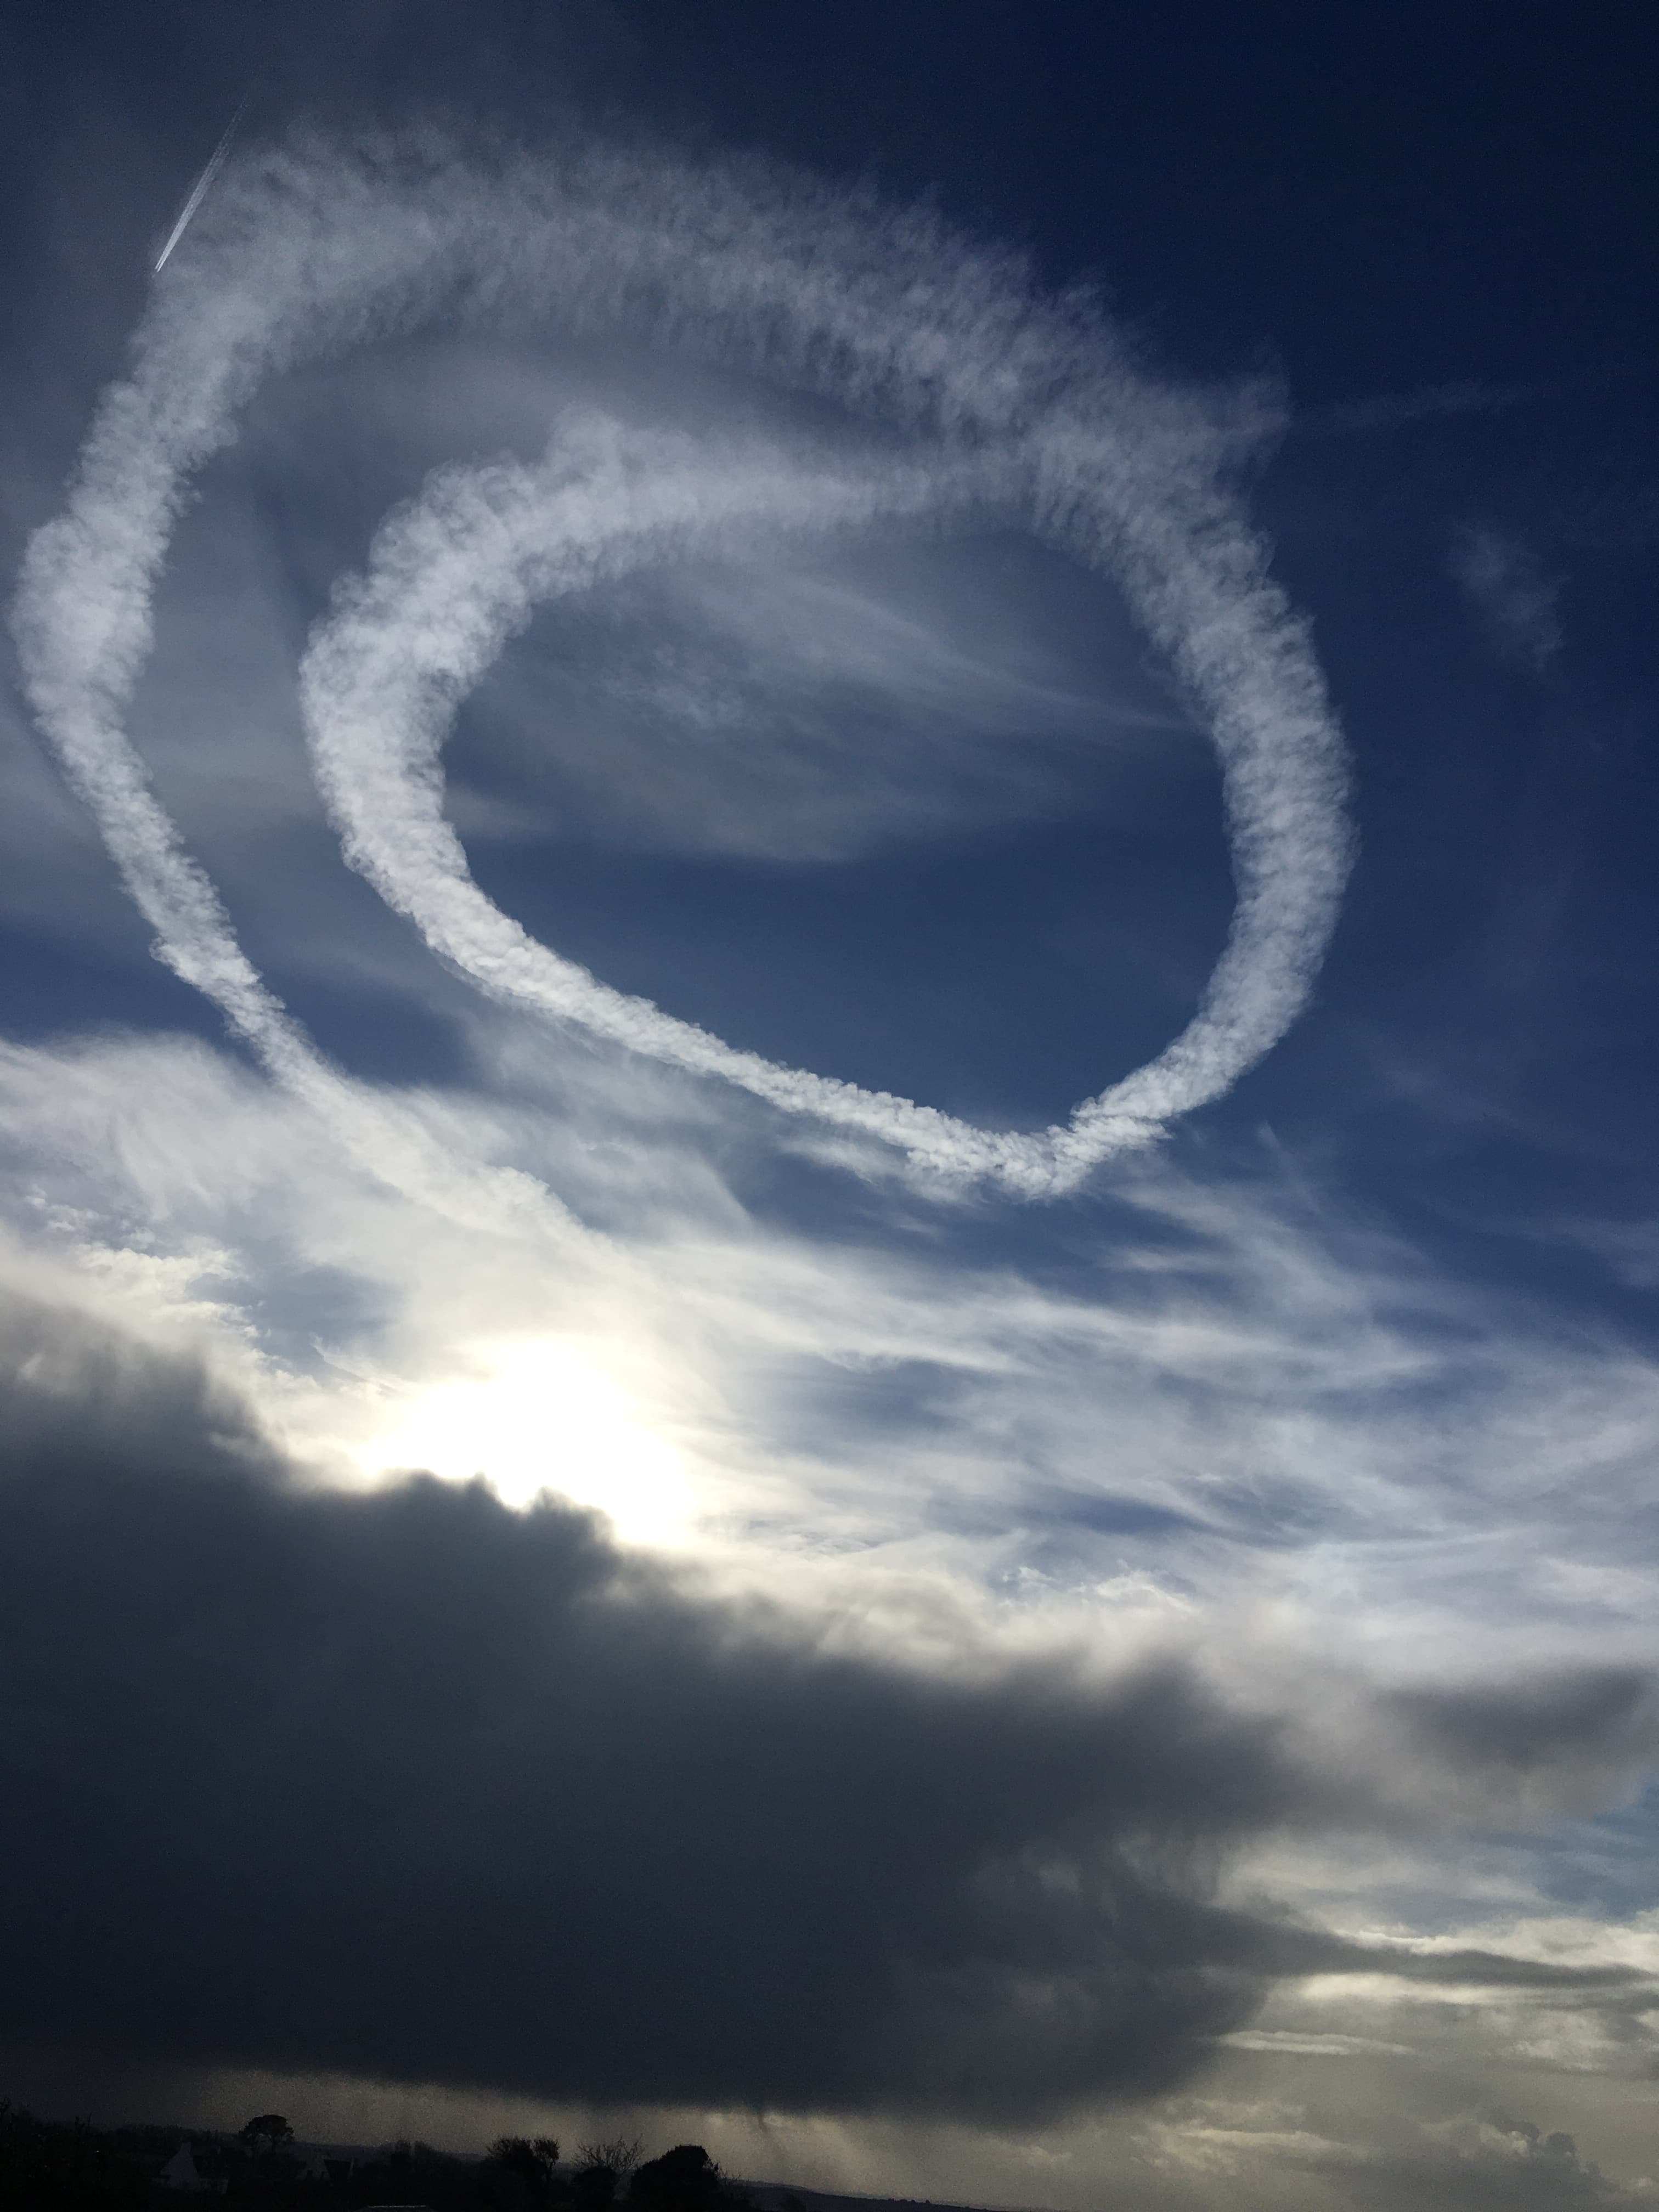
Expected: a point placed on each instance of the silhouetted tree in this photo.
(593, 2188)
(520, 2155)
(618, 2154)
(268, 2131)
(601, 2169)
(683, 2179)
(529, 2159)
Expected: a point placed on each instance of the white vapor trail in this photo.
(999, 398)
(203, 185)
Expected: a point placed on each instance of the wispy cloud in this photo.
(1240, 1402)
(806, 710)
(1429, 402)
(1457, 397)
(1518, 600)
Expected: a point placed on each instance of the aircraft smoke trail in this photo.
(453, 576)
(203, 185)
(1028, 402)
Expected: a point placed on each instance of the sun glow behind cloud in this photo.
(542, 1413)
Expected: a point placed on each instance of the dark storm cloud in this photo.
(407, 1785)
(1507, 1735)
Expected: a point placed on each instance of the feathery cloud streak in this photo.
(1029, 403)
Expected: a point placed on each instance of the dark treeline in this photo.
(46, 2165)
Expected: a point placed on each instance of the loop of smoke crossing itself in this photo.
(307, 250)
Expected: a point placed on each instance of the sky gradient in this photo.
(827, 1282)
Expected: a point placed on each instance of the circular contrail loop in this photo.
(975, 390)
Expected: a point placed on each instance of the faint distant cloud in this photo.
(1467, 395)
(1394, 410)
(1518, 602)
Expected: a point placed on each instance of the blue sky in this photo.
(668, 639)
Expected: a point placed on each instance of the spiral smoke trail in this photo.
(979, 394)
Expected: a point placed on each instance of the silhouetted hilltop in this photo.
(49, 2166)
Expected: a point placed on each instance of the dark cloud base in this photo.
(409, 1786)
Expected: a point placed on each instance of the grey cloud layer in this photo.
(1493, 2165)
(406, 1785)
(308, 252)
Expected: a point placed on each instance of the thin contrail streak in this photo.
(203, 185)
